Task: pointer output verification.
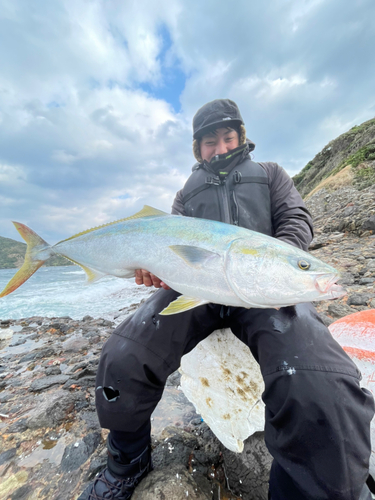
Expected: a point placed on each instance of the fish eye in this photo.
(304, 265)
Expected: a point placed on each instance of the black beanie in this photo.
(221, 112)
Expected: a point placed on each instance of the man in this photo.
(318, 420)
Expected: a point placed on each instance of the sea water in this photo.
(63, 291)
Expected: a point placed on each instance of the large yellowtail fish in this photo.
(206, 261)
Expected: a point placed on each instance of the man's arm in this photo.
(178, 207)
(292, 221)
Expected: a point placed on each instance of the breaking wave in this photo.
(55, 292)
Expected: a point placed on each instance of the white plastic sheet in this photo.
(223, 381)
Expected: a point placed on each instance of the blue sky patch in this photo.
(174, 79)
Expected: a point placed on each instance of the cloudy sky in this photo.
(97, 96)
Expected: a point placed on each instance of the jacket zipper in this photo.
(221, 183)
(236, 220)
(225, 198)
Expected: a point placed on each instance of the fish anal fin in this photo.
(194, 256)
(92, 275)
(146, 211)
(182, 304)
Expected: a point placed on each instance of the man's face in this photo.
(218, 142)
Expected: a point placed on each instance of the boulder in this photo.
(173, 482)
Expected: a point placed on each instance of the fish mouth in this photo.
(326, 285)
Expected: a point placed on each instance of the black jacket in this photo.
(291, 221)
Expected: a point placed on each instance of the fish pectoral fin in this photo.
(193, 256)
(183, 303)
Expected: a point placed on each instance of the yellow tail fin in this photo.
(37, 253)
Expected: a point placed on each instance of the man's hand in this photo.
(143, 277)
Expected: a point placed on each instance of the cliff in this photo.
(353, 151)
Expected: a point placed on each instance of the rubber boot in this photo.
(119, 479)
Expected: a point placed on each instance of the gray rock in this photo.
(38, 354)
(366, 281)
(52, 410)
(18, 426)
(77, 453)
(347, 279)
(78, 366)
(96, 465)
(339, 310)
(82, 382)
(369, 224)
(41, 384)
(22, 493)
(75, 345)
(174, 379)
(5, 398)
(248, 472)
(87, 371)
(60, 326)
(209, 445)
(326, 319)
(53, 370)
(7, 455)
(91, 419)
(169, 483)
(65, 486)
(19, 342)
(358, 299)
(175, 446)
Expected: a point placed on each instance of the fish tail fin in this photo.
(38, 251)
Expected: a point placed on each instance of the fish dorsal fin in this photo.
(193, 256)
(145, 212)
(183, 303)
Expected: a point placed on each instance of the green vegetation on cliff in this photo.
(355, 148)
(12, 254)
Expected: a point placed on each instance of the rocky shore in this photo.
(344, 224)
